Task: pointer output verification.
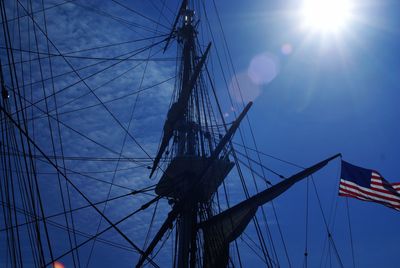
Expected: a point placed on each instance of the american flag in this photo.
(368, 185)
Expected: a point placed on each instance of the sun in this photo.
(326, 15)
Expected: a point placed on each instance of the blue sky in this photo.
(315, 95)
(333, 94)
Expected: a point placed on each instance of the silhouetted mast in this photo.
(199, 163)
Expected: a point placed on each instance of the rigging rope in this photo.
(123, 145)
(330, 237)
(112, 225)
(14, 81)
(255, 220)
(350, 232)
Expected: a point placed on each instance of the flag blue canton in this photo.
(360, 176)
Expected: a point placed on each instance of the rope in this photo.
(350, 232)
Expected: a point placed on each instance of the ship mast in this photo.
(198, 161)
(186, 146)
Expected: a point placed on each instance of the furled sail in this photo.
(225, 227)
(218, 236)
(177, 110)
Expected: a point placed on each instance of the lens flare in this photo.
(287, 49)
(248, 90)
(58, 264)
(263, 68)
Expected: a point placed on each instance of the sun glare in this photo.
(326, 15)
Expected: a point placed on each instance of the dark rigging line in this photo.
(87, 77)
(112, 225)
(82, 173)
(94, 94)
(65, 55)
(350, 231)
(255, 220)
(84, 136)
(326, 224)
(306, 221)
(59, 226)
(13, 70)
(140, 14)
(262, 166)
(66, 73)
(115, 44)
(122, 147)
(75, 258)
(251, 130)
(268, 155)
(108, 101)
(38, 11)
(151, 188)
(89, 158)
(122, 21)
(116, 223)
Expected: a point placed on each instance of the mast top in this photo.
(188, 15)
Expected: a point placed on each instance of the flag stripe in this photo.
(379, 180)
(390, 197)
(374, 184)
(379, 191)
(367, 193)
(376, 174)
(380, 188)
(343, 193)
(369, 198)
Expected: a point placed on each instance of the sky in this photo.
(316, 93)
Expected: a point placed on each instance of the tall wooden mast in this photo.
(198, 162)
(186, 144)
